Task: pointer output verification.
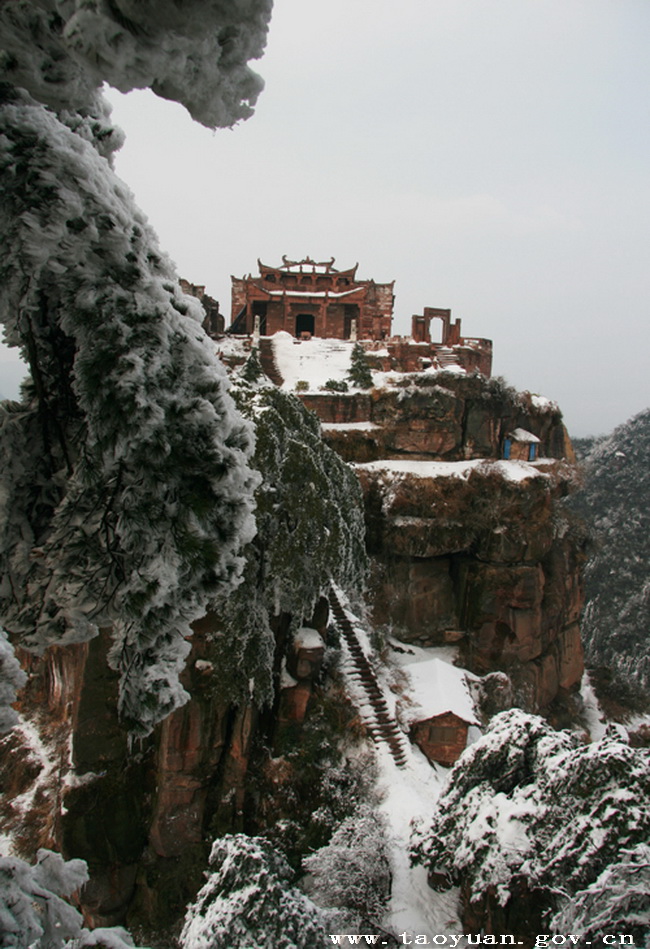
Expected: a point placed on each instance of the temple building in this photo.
(308, 298)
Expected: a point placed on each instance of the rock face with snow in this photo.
(478, 553)
(436, 416)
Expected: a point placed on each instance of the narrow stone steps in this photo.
(381, 725)
(446, 357)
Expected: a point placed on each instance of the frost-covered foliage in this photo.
(34, 912)
(12, 678)
(616, 621)
(61, 51)
(248, 901)
(352, 873)
(125, 496)
(310, 531)
(528, 802)
(359, 373)
(618, 901)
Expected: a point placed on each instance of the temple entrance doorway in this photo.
(350, 312)
(304, 324)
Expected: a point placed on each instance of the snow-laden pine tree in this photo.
(530, 808)
(359, 373)
(125, 490)
(351, 873)
(310, 531)
(34, 911)
(248, 901)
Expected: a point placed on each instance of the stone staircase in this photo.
(267, 360)
(446, 357)
(381, 725)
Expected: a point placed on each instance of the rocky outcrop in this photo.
(480, 554)
(142, 816)
(443, 415)
(465, 549)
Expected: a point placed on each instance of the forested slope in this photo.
(615, 503)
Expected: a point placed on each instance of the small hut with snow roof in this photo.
(520, 445)
(439, 710)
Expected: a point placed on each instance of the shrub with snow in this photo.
(617, 901)
(352, 873)
(248, 901)
(528, 803)
(12, 678)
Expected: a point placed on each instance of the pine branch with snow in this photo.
(526, 802)
(127, 497)
(196, 53)
(248, 900)
(34, 911)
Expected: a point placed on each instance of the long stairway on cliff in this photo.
(376, 715)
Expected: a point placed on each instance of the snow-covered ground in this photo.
(510, 470)
(409, 793)
(314, 361)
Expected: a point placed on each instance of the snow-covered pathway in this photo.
(410, 794)
(407, 793)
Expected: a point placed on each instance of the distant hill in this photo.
(616, 503)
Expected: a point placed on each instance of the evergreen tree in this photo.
(526, 803)
(126, 496)
(248, 901)
(34, 913)
(359, 373)
(352, 872)
(310, 531)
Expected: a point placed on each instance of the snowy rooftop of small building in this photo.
(521, 435)
(436, 687)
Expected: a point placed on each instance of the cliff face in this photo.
(615, 503)
(463, 553)
(439, 416)
(465, 548)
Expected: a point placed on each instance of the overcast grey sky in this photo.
(492, 156)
